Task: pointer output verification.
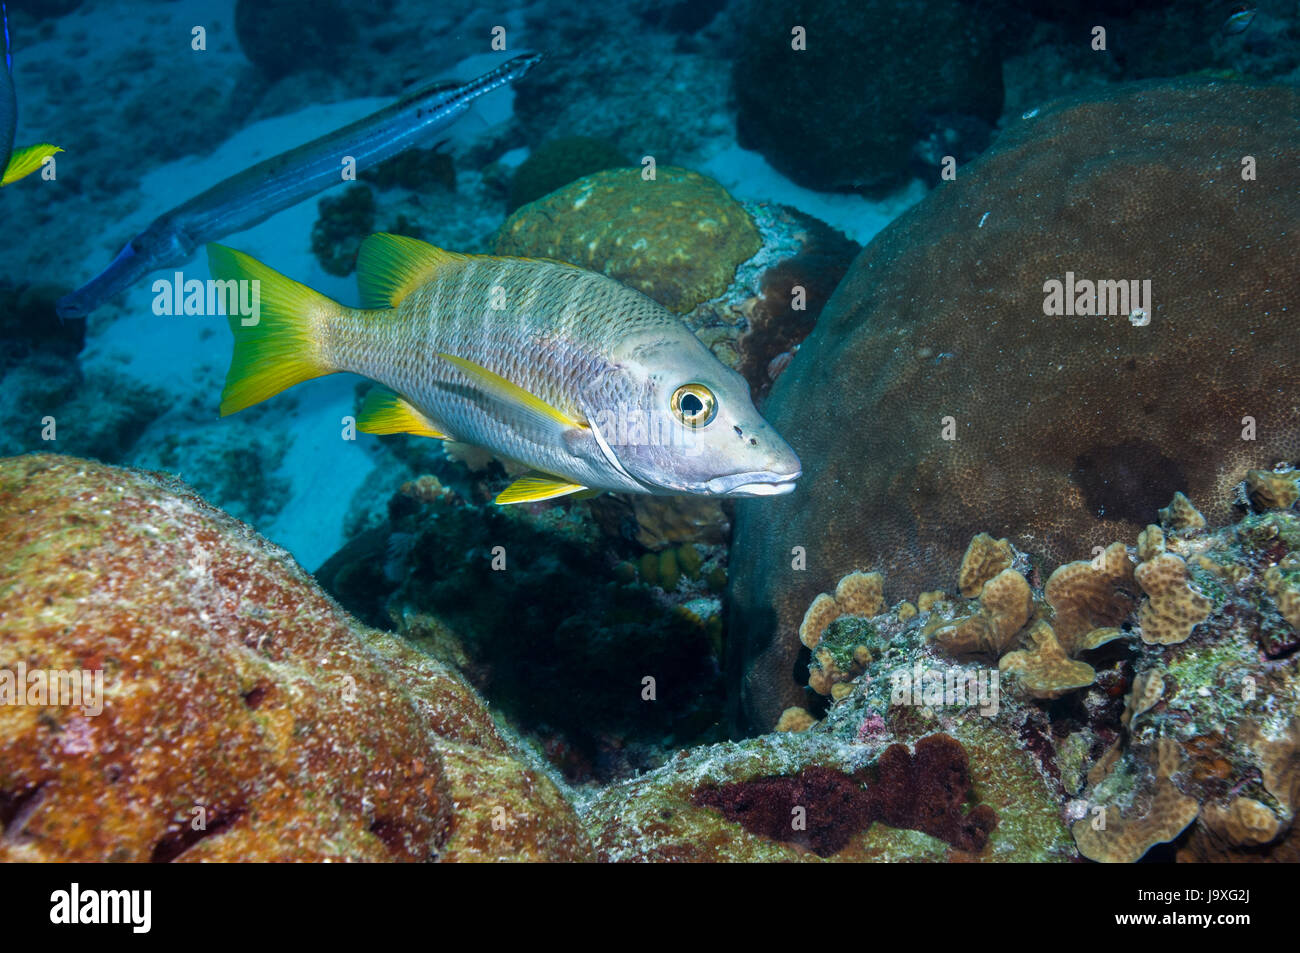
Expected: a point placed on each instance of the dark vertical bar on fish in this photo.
(257, 193)
(8, 99)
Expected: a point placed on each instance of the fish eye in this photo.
(694, 405)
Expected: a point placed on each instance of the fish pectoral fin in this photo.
(532, 407)
(385, 412)
(390, 267)
(23, 162)
(535, 486)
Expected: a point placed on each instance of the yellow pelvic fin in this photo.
(23, 162)
(386, 412)
(277, 346)
(498, 387)
(535, 486)
(390, 267)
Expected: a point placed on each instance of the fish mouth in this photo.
(753, 483)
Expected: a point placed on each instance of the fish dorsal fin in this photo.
(530, 406)
(386, 412)
(390, 267)
(535, 486)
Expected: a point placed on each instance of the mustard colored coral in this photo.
(858, 594)
(1172, 608)
(1090, 594)
(1272, 489)
(985, 558)
(1117, 836)
(1181, 515)
(1046, 671)
(1005, 604)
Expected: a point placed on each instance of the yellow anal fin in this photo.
(386, 412)
(23, 162)
(535, 486)
(390, 267)
(496, 386)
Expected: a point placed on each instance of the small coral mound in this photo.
(795, 719)
(678, 237)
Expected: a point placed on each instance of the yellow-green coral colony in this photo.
(678, 237)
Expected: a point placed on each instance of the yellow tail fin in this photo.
(279, 345)
(23, 162)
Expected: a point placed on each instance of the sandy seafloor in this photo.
(187, 356)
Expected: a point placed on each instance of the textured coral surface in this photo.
(245, 715)
(1070, 431)
(677, 238)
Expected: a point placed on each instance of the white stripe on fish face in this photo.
(733, 453)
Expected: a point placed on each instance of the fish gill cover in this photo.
(737, 430)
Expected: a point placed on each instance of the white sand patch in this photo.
(174, 354)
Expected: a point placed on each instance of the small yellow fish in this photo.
(590, 384)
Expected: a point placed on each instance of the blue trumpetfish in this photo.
(25, 161)
(257, 193)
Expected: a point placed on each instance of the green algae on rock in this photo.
(244, 714)
(678, 238)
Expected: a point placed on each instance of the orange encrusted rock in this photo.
(245, 716)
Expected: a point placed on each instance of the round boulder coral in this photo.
(678, 237)
(937, 398)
